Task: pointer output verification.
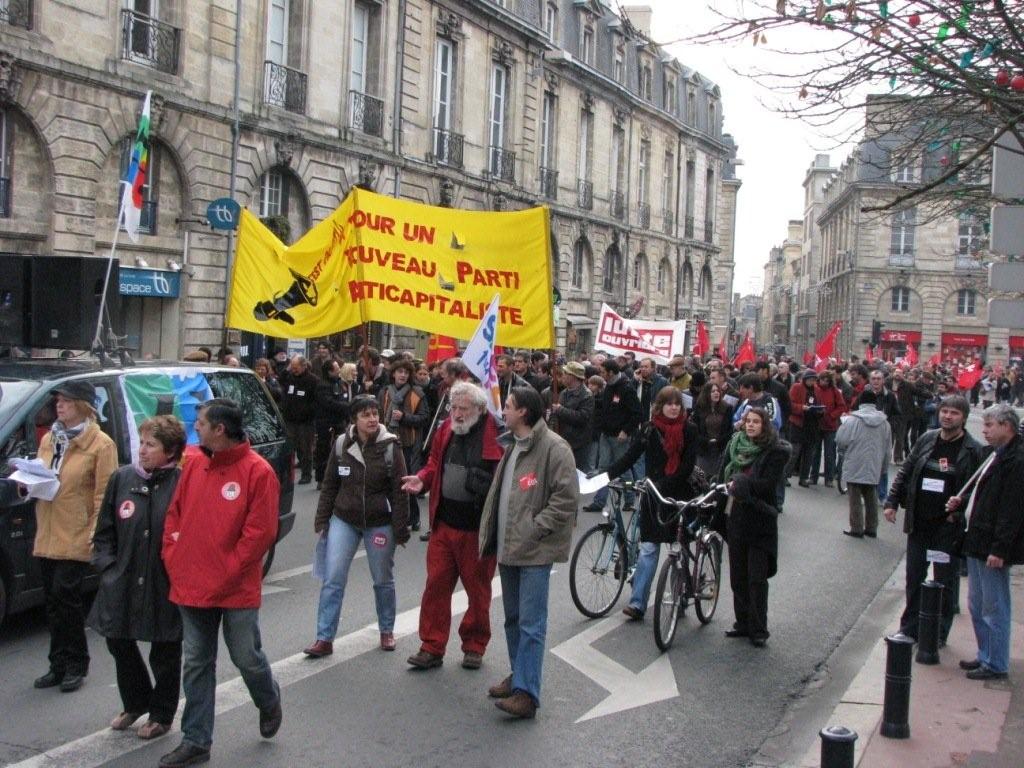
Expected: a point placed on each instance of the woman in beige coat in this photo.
(84, 458)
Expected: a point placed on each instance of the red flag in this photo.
(935, 359)
(808, 358)
(969, 376)
(723, 349)
(869, 354)
(703, 345)
(440, 348)
(826, 348)
(910, 358)
(746, 353)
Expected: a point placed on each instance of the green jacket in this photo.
(542, 502)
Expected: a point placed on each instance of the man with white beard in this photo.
(458, 473)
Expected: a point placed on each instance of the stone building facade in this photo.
(478, 104)
(782, 292)
(918, 270)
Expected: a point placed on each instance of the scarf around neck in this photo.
(61, 437)
(742, 453)
(672, 439)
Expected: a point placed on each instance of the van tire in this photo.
(268, 559)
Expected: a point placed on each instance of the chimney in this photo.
(640, 17)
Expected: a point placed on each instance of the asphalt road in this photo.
(364, 707)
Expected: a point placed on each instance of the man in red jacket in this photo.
(220, 524)
(458, 474)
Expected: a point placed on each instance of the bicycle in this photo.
(605, 556)
(687, 575)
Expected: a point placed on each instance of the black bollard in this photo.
(896, 706)
(837, 744)
(928, 622)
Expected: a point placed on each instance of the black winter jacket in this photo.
(903, 491)
(132, 601)
(754, 517)
(298, 396)
(620, 407)
(996, 526)
(575, 418)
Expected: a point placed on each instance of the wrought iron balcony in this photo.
(709, 231)
(901, 259)
(146, 40)
(644, 215)
(284, 87)
(549, 183)
(688, 227)
(502, 163)
(448, 147)
(147, 218)
(618, 201)
(17, 13)
(585, 194)
(5, 198)
(667, 221)
(966, 261)
(367, 113)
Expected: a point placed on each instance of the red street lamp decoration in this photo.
(1017, 83)
(914, 20)
(1002, 78)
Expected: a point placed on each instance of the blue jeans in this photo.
(643, 576)
(988, 597)
(524, 594)
(883, 484)
(199, 666)
(342, 542)
(609, 450)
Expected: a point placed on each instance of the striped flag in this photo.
(479, 358)
(135, 179)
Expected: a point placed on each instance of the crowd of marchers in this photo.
(180, 536)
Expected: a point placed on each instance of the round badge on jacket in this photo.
(126, 510)
(231, 491)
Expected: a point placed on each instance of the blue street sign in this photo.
(223, 213)
(149, 283)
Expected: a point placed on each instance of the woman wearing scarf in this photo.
(405, 412)
(713, 417)
(84, 459)
(754, 463)
(132, 602)
(669, 445)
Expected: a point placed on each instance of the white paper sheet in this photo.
(39, 479)
(591, 485)
(732, 401)
(935, 556)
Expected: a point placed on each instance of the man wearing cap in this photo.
(573, 414)
(84, 458)
(679, 376)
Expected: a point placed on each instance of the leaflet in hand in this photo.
(591, 485)
(39, 479)
(731, 400)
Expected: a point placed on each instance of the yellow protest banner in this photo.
(401, 262)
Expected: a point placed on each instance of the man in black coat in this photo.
(935, 470)
(572, 416)
(620, 419)
(298, 406)
(994, 542)
(774, 388)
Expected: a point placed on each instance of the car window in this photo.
(262, 423)
(171, 392)
(12, 395)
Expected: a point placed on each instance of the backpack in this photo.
(389, 452)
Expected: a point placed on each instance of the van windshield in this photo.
(14, 392)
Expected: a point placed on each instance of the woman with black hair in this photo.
(669, 444)
(712, 416)
(753, 464)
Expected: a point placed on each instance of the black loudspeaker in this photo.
(14, 305)
(66, 295)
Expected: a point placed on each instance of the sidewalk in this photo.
(953, 721)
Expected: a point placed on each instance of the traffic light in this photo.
(876, 332)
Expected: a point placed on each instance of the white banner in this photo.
(479, 357)
(645, 338)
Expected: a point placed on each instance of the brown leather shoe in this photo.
(635, 614)
(502, 690)
(425, 660)
(124, 721)
(519, 704)
(472, 660)
(320, 648)
(153, 730)
(387, 641)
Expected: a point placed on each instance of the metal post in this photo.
(235, 133)
(896, 705)
(837, 743)
(929, 618)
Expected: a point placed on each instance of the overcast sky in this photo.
(775, 150)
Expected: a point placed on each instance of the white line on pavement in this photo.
(308, 568)
(103, 746)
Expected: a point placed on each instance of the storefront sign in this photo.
(902, 337)
(964, 340)
(149, 283)
(1017, 342)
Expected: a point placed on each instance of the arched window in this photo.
(686, 282)
(664, 270)
(612, 268)
(580, 263)
(965, 301)
(704, 286)
(639, 270)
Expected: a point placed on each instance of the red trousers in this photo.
(452, 555)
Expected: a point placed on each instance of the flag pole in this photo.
(97, 340)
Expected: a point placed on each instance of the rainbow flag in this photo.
(135, 179)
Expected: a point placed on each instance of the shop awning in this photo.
(581, 321)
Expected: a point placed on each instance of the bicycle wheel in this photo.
(668, 602)
(709, 582)
(597, 572)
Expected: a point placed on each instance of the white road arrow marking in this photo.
(626, 689)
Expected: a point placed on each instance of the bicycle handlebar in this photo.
(702, 501)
